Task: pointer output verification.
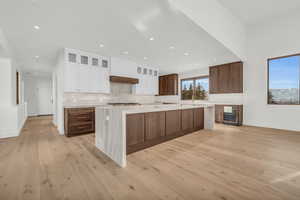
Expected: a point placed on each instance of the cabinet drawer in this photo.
(82, 128)
(81, 117)
(79, 120)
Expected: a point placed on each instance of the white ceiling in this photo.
(119, 25)
(253, 11)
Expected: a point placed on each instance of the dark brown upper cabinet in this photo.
(226, 78)
(168, 84)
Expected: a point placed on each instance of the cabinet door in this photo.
(135, 130)
(223, 78)
(173, 122)
(172, 84)
(155, 85)
(155, 125)
(99, 80)
(71, 78)
(213, 80)
(162, 85)
(85, 80)
(236, 77)
(187, 121)
(198, 119)
(139, 88)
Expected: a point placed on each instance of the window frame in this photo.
(194, 81)
(268, 81)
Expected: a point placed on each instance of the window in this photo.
(194, 88)
(139, 70)
(283, 80)
(145, 71)
(84, 60)
(72, 57)
(104, 63)
(95, 61)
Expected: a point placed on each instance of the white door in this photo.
(44, 101)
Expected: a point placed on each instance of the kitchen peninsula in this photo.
(121, 130)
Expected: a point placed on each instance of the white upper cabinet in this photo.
(148, 81)
(89, 73)
(86, 72)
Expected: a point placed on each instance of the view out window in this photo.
(194, 88)
(283, 76)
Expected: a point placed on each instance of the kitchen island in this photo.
(121, 130)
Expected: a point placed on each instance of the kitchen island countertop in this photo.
(111, 125)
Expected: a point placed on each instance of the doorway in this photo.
(38, 94)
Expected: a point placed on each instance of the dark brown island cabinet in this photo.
(168, 85)
(226, 78)
(144, 130)
(79, 121)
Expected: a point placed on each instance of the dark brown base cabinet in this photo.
(144, 130)
(79, 121)
(219, 113)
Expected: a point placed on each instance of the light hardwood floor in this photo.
(224, 164)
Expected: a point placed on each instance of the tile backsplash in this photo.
(96, 99)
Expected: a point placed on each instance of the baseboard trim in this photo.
(10, 133)
(270, 128)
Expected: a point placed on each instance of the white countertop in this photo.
(152, 106)
(158, 108)
(111, 125)
(155, 108)
(83, 105)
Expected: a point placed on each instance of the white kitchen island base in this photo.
(111, 126)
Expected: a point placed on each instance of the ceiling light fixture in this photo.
(101, 45)
(145, 58)
(125, 52)
(171, 47)
(37, 57)
(151, 38)
(36, 27)
(186, 54)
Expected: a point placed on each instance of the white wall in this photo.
(12, 116)
(59, 93)
(5, 82)
(267, 40)
(218, 21)
(32, 83)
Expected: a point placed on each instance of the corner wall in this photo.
(12, 116)
(267, 40)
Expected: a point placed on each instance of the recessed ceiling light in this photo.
(186, 54)
(37, 57)
(145, 58)
(151, 38)
(101, 45)
(171, 47)
(36, 27)
(125, 52)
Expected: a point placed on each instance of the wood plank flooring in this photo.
(229, 163)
